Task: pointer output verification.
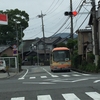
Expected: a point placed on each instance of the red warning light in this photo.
(74, 13)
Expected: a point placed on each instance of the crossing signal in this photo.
(74, 13)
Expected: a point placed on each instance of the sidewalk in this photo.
(5, 75)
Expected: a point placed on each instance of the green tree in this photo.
(72, 44)
(61, 45)
(8, 32)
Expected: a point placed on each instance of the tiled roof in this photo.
(51, 40)
(62, 40)
(26, 45)
(2, 48)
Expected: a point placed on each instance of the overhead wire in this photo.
(50, 6)
(48, 11)
(63, 23)
(79, 6)
(53, 7)
(84, 20)
(56, 7)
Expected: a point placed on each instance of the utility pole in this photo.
(41, 16)
(71, 19)
(22, 42)
(96, 43)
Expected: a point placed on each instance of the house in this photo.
(8, 50)
(36, 47)
(84, 42)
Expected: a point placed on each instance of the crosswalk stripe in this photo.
(76, 75)
(86, 74)
(55, 76)
(44, 97)
(32, 77)
(18, 98)
(93, 95)
(70, 96)
(66, 75)
(66, 96)
(43, 76)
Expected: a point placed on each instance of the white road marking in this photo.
(38, 83)
(66, 75)
(23, 75)
(43, 76)
(86, 74)
(70, 96)
(93, 95)
(84, 79)
(44, 97)
(46, 83)
(55, 76)
(18, 98)
(32, 77)
(47, 71)
(66, 96)
(96, 81)
(76, 75)
(80, 80)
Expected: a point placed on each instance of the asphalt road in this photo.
(38, 83)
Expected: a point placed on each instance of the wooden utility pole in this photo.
(41, 16)
(96, 42)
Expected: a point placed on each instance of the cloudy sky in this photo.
(54, 20)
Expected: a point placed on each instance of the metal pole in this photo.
(22, 43)
(71, 19)
(17, 46)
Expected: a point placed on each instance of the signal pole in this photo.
(96, 42)
(71, 19)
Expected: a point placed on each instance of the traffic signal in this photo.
(74, 13)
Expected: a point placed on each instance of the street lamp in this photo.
(36, 47)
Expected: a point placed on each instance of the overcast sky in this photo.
(54, 18)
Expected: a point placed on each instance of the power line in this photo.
(50, 6)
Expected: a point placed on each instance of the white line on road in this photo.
(76, 75)
(66, 75)
(47, 71)
(32, 77)
(38, 83)
(96, 81)
(93, 95)
(23, 75)
(70, 96)
(18, 98)
(84, 79)
(80, 80)
(44, 97)
(43, 76)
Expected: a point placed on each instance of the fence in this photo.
(11, 62)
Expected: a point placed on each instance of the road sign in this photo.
(3, 19)
(15, 52)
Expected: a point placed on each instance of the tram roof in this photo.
(60, 48)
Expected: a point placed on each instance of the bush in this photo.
(89, 67)
(98, 66)
(90, 57)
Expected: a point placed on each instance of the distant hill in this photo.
(64, 35)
